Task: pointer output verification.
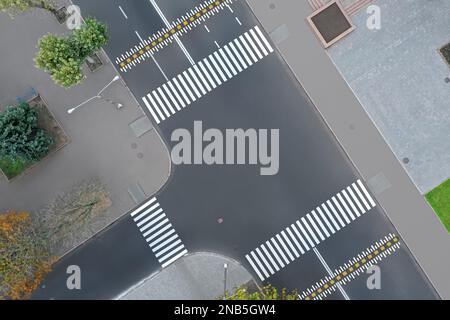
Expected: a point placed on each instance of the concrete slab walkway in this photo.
(199, 276)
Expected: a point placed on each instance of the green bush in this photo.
(20, 137)
(90, 38)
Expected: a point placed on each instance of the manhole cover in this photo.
(272, 6)
(140, 155)
(405, 160)
(134, 146)
(447, 80)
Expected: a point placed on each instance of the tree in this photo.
(62, 57)
(90, 37)
(266, 293)
(24, 258)
(20, 137)
(22, 5)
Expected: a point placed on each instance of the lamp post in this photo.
(225, 269)
(98, 96)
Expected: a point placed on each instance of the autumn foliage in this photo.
(24, 259)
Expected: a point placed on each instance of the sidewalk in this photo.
(103, 144)
(405, 206)
(198, 276)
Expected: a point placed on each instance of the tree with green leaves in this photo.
(92, 36)
(23, 5)
(265, 293)
(20, 136)
(62, 57)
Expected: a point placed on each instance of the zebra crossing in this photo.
(159, 232)
(311, 230)
(207, 75)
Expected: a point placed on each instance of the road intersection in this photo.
(313, 227)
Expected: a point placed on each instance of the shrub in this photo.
(446, 52)
(20, 137)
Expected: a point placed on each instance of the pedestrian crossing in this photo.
(208, 74)
(158, 232)
(309, 231)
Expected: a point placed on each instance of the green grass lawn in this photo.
(12, 168)
(439, 199)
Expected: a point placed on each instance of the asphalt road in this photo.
(253, 208)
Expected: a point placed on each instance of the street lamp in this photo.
(225, 269)
(98, 96)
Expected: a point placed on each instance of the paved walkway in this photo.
(103, 145)
(399, 76)
(198, 276)
(405, 206)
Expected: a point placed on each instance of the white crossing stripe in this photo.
(208, 74)
(289, 243)
(157, 230)
(366, 193)
(172, 98)
(254, 267)
(308, 232)
(347, 209)
(264, 39)
(270, 258)
(264, 50)
(280, 240)
(222, 64)
(152, 112)
(351, 203)
(361, 196)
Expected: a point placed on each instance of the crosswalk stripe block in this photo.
(161, 104)
(211, 70)
(259, 264)
(227, 61)
(322, 227)
(315, 227)
(264, 39)
(188, 90)
(275, 254)
(216, 65)
(167, 103)
(233, 59)
(171, 97)
(270, 257)
(208, 76)
(295, 240)
(222, 64)
(162, 245)
(311, 243)
(338, 206)
(280, 251)
(241, 49)
(202, 78)
(330, 216)
(152, 112)
(164, 236)
(253, 45)
(157, 212)
(283, 245)
(259, 43)
(325, 219)
(150, 97)
(264, 260)
(162, 230)
(168, 248)
(138, 210)
(171, 253)
(148, 225)
(366, 204)
(254, 267)
(366, 193)
(344, 204)
(191, 83)
(153, 229)
(196, 81)
(305, 223)
(181, 91)
(290, 245)
(250, 51)
(297, 233)
(352, 205)
(356, 200)
(236, 53)
(177, 95)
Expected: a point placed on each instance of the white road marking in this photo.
(149, 107)
(123, 12)
(363, 188)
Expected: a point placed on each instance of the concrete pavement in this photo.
(407, 209)
(198, 276)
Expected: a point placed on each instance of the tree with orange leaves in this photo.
(24, 257)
